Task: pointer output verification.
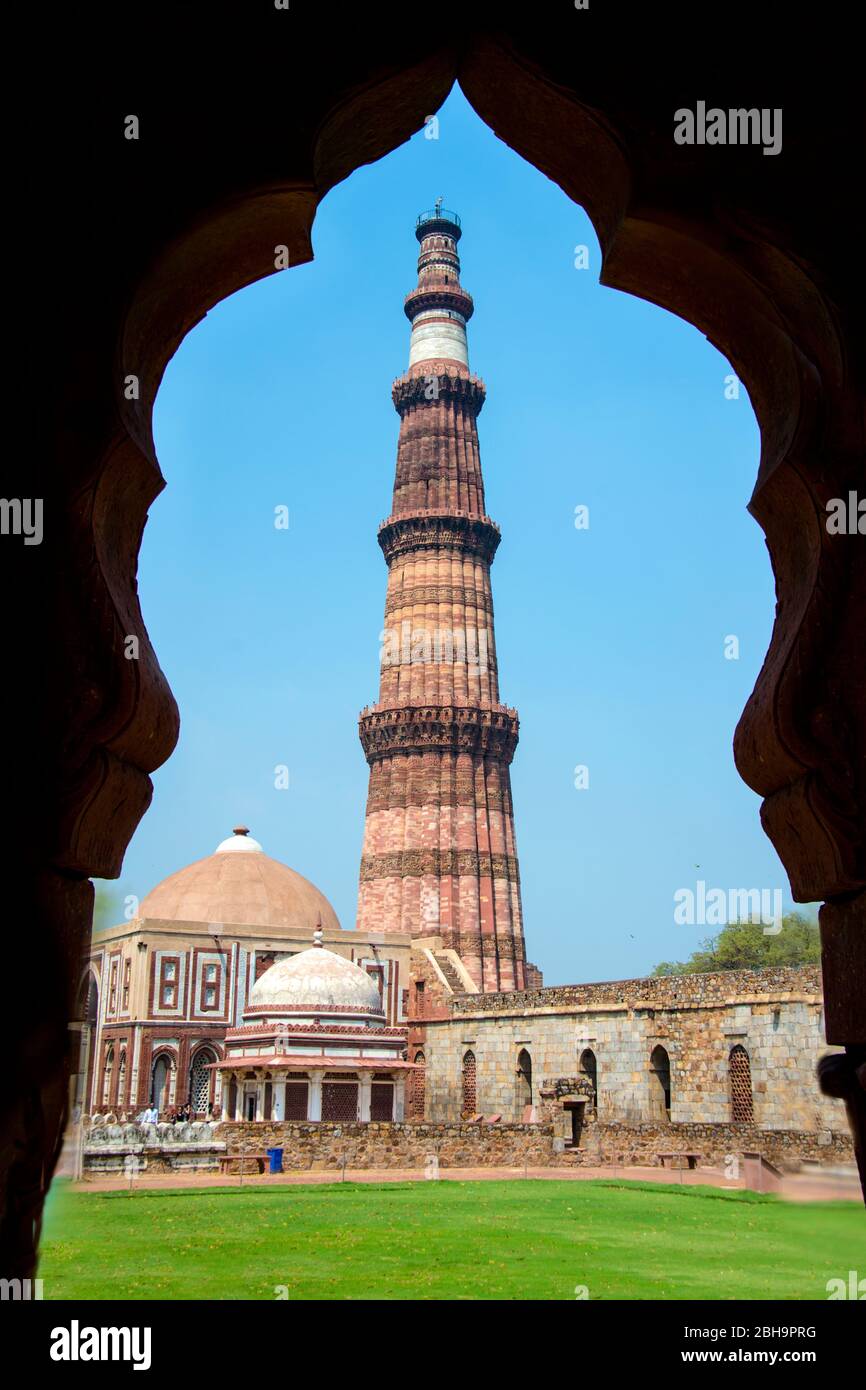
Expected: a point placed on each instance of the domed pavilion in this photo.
(314, 1045)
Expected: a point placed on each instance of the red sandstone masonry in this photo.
(438, 741)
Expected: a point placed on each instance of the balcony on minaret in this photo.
(438, 219)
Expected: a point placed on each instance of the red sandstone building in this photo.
(162, 990)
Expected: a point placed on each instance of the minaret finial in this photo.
(439, 201)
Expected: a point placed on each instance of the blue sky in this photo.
(610, 640)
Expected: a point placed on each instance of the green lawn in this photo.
(446, 1240)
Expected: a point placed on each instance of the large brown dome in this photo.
(239, 883)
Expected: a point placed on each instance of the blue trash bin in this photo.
(275, 1160)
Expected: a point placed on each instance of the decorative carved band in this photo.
(461, 595)
(417, 729)
(409, 391)
(439, 863)
(474, 535)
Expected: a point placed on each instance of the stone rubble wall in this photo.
(389, 1145)
(775, 1014)
(640, 1146)
(315, 1147)
(660, 991)
(113, 1148)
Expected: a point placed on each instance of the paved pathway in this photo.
(799, 1187)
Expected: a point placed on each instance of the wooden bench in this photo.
(691, 1158)
(260, 1161)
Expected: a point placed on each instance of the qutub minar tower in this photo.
(439, 855)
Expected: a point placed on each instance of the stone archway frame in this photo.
(743, 278)
(757, 306)
(170, 1055)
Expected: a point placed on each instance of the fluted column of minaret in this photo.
(439, 856)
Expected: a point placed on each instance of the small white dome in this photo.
(239, 842)
(317, 981)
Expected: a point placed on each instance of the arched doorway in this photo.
(740, 1086)
(161, 1082)
(588, 1067)
(660, 1084)
(107, 1076)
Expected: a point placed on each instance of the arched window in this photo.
(416, 1088)
(470, 1085)
(200, 1081)
(660, 1084)
(740, 1082)
(524, 1079)
(588, 1067)
(106, 1080)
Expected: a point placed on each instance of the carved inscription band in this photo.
(494, 732)
(439, 863)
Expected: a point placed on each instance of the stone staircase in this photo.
(451, 973)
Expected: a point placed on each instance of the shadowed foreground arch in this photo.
(758, 252)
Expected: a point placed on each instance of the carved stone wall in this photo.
(109, 1146)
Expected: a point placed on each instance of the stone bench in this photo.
(260, 1160)
(691, 1159)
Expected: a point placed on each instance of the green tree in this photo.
(106, 908)
(747, 946)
